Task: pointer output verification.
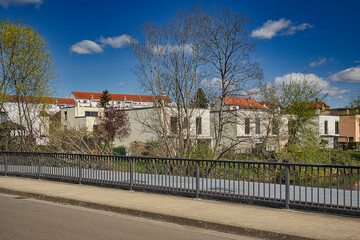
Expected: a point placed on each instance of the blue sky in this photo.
(320, 38)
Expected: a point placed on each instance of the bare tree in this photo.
(169, 59)
(230, 70)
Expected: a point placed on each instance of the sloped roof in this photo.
(116, 97)
(243, 102)
(322, 105)
(69, 101)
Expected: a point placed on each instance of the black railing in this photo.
(332, 188)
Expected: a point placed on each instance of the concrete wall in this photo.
(144, 125)
(74, 117)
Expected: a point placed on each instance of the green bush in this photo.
(119, 150)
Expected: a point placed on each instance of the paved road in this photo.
(33, 219)
(319, 195)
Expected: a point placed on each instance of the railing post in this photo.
(6, 165)
(197, 179)
(287, 186)
(131, 174)
(80, 170)
(39, 166)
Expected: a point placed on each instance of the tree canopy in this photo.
(27, 76)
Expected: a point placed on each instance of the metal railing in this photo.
(332, 188)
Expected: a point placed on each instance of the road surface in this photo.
(26, 218)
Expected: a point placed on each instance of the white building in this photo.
(247, 124)
(328, 126)
(56, 104)
(30, 119)
(125, 101)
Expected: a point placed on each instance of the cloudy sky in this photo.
(89, 39)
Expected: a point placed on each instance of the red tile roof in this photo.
(116, 97)
(243, 102)
(68, 101)
(322, 105)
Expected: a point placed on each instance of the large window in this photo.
(247, 125)
(198, 126)
(257, 129)
(336, 127)
(173, 125)
(326, 130)
(91, 114)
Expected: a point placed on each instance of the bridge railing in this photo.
(332, 188)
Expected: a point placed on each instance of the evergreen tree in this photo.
(105, 98)
(200, 100)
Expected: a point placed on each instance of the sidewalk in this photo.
(226, 217)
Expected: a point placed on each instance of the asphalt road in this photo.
(26, 218)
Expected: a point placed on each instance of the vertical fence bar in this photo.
(80, 170)
(197, 179)
(39, 166)
(287, 186)
(131, 174)
(6, 165)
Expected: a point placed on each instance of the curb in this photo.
(251, 232)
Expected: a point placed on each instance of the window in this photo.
(336, 127)
(257, 129)
(325, 127)
(3, 117)
(275, 128)
(247, 125)
(198, 126)
(84, 101)
(91, 114)
(173, 125)
(65, 115)
(292, 127)
(185, 123)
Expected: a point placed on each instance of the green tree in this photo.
(300, 99)
(105, 98)
(27, 76)
(293, 105)
(200, 100)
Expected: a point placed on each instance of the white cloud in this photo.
(7, 3)
(281, 27)
(86, 47)
(351, 75)
(301, 27)
(168, 48)
(214, 83)
(116, 42)
(321, 61)
(324, 85)
(269, 29)
(120, 83)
